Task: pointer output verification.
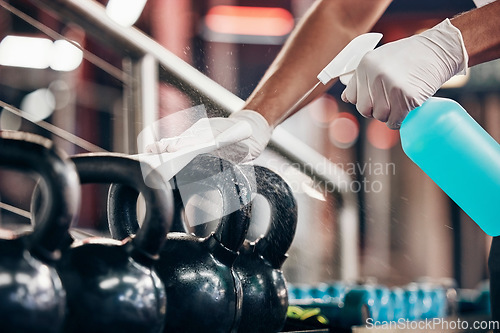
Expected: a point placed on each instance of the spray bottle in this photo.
(443, 140)
(458, 155)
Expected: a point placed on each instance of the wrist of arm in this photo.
(479, 28)
(260, 125)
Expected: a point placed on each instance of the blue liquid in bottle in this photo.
(459, 156)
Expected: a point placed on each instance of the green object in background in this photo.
(309, 315)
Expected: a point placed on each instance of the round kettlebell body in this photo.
(264, 292)
(111, 285)
(200, 288)
(108, 288)
(32, 298)
(31, 294)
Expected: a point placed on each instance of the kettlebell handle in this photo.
(59, 187)
(119, 168)
(278, 238)
(231, 230)
(122, 211)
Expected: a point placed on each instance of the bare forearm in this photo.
(481, 32)
(327, 27)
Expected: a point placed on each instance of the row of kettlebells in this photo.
(146, 279)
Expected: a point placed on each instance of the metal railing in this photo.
(148, 62)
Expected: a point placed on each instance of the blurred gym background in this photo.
(405, 227)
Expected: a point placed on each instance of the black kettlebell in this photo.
(265, 296)
(110, 285)
(32, 298)
(204, 294)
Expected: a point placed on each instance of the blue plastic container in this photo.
(397, 308)
(459, 156)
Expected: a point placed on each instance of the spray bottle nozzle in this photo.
(345, 63)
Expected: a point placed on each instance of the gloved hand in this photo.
(206, 130)
(397, 77)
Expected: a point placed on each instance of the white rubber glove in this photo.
(205, 130)
(397, 77)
